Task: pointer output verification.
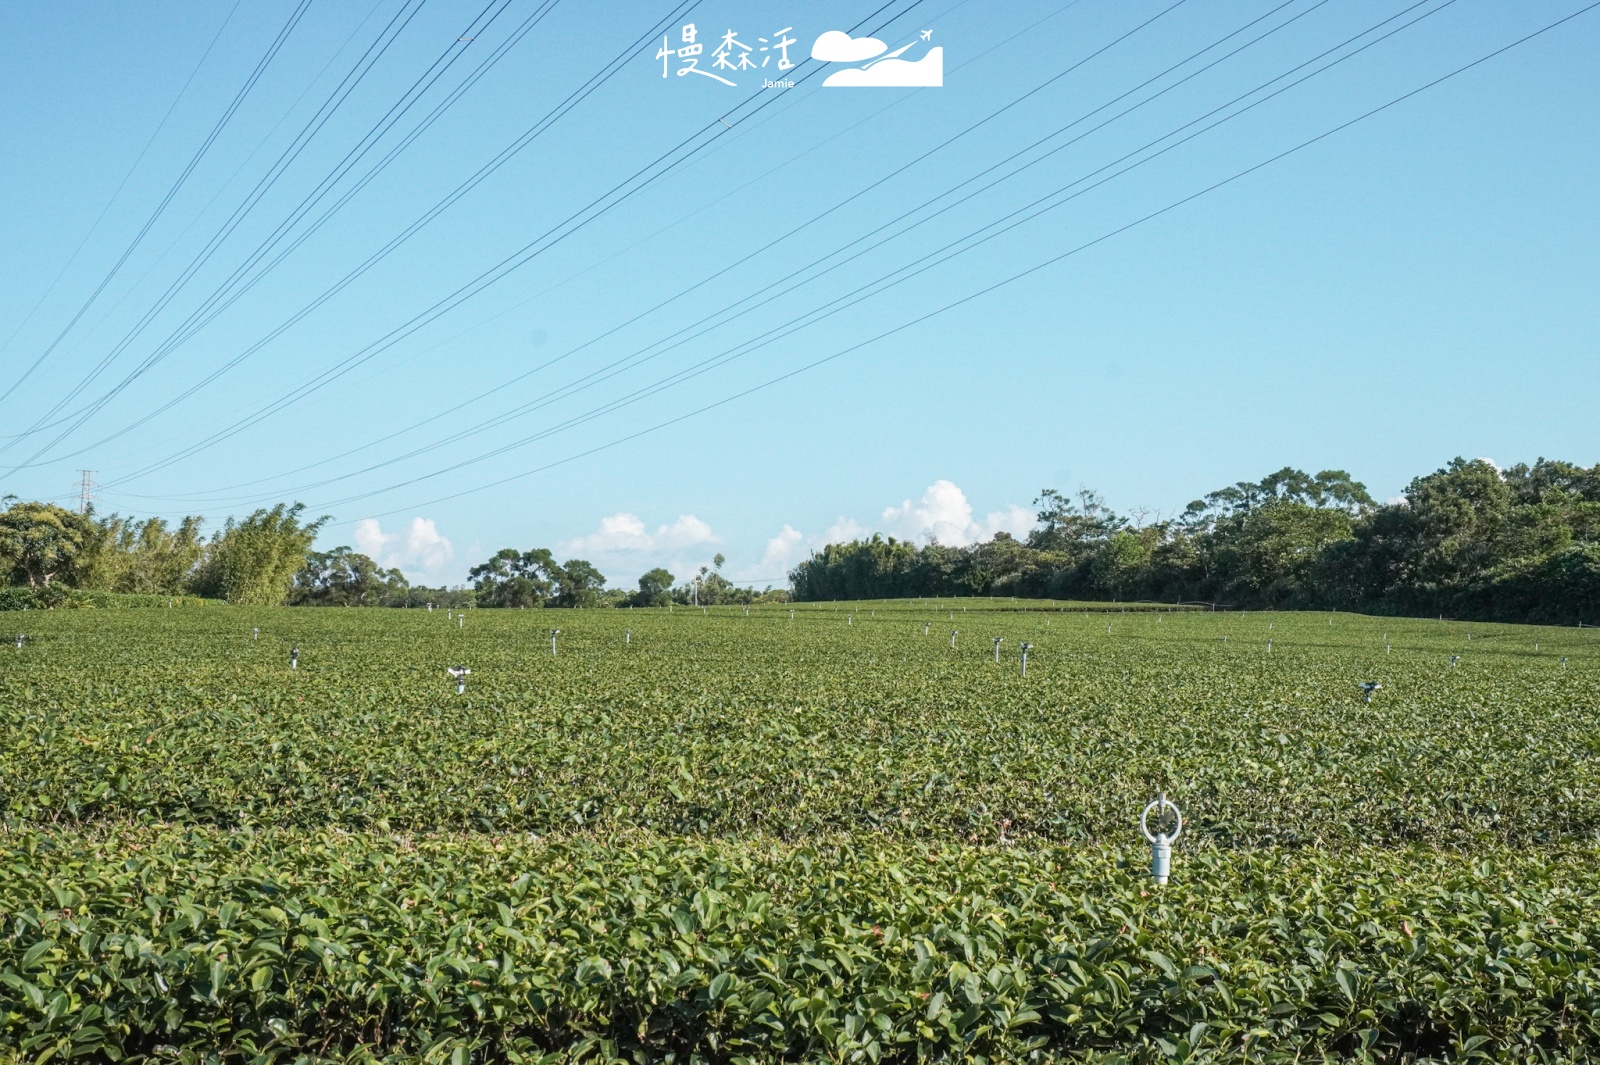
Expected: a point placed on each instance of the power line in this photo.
(183, 176)
(95, 225)
(286, 158)
(945, 308)
(232, 288)
(552, 236)
(416, 226)
(861, 293)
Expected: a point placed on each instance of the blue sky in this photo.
(658, 386)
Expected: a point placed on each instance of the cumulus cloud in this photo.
(944, 514)
(417, 549)
(783, 550)
(837, 46)
(627, 532)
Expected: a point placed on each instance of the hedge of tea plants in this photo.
(717, 836)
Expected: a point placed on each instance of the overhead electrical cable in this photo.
(411, 230)
(237, 284)
(889, 280)
(625, 250)
(183, 176)
(353, 78)
(512, 262)
(978, 294)
(517, 259)
(678, 338)
(95, 225)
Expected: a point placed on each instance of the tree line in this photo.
(1468, 540)
(52, 557)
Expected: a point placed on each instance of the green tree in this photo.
(578, 584)
(40, 542)
(516, 579)
(342, 577)
(147, 558)
(254, 561)
(655, 589)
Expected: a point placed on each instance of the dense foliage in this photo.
(818, 834)
(1467, 541)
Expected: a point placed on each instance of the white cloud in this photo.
(944, 514)
(627, 532)
(843, 530)
(783, 550)
(418, 550)
(837, 46)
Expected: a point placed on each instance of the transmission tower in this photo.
(85, 491)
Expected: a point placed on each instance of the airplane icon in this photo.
(927, 35)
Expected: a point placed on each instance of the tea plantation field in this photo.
(712, 836)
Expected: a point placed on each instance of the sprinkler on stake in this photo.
(553, 634)
(460, 674)
(255, 633)
(20, 638)
(1369, 686)
(294, 658)
(998, 640)
(627, 637)
(953, 639)
(1454, 659)
(1026, 647)
(1160, 842)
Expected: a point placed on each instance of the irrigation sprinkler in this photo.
(460, 674)
(1563, 661)
(430, 608)
(255, 633)
(998, 640)
(849, 619)
(20, 638)
(553, 634)
(461, 620)
(1456, 658)
(791, 615)
(294, 658)
(1387, 649)
(1108, 628)
(627, 637)
(1269, 647)
(925, 628)
(1026, 647)
(953, 639)
(1161, 842)
(1369, 686)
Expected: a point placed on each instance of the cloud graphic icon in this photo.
(927, 72)
(836, 46)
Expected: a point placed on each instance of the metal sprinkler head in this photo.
(460, 673)
(553, 634)
(1456, 658)
(1369, 686)
(20, 638)
(953, 638)
(1161, 842)
(294, 658)
(255, 633)
(1026, 647)
(998, 640)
